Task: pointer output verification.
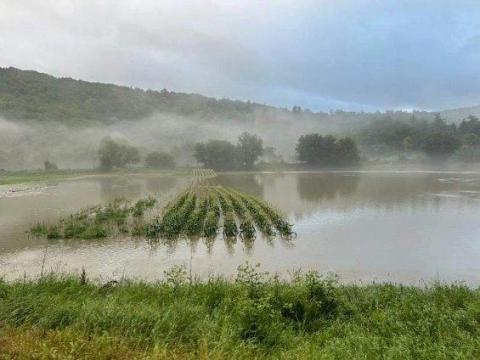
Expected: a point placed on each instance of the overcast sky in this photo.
(323, 54)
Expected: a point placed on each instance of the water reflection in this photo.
(318, 187)
(155, 186)
(383, 191)
(249, 183)
(116, 187)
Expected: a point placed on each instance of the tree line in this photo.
(222, 155)
(116, 153)
(437, 139)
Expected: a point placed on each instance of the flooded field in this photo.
(384, 226)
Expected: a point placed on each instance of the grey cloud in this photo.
(354, 54)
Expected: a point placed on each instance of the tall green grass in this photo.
(255, 316)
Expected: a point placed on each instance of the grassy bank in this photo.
(254, 316)
(22, 177)
(27, 176)
(32, 176)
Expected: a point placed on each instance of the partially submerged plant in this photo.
(247, 230)
(176, 217)
(258, 215)
(143, 204)
(96, 222)
(196, 220)
(229, 225)
(283, 226)
(198, 211)
(213, 216)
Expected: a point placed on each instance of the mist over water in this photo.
(27, 144)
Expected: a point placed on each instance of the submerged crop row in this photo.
(97, 221)
(200, 211)
(203, 173)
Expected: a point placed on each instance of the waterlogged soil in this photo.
(408, 227)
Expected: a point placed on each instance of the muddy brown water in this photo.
(408, 227)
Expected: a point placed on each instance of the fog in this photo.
(27, 144)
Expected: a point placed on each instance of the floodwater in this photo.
(408, 227)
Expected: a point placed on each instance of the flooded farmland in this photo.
(408, 227)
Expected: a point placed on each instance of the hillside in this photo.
(461, 113)
(33, 95)
(30, 95)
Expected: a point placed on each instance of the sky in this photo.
(356, 55)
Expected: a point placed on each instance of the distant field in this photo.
(254, 317)
(17, 177)
(20, 177)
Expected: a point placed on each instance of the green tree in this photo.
(249, 149)
(49, 166)
(408, 143)
(441, 145)
(116, 154)
(318, 150)
(160, 160)
(216, 154)
(471, 125)
(471, 139)
(346, 151)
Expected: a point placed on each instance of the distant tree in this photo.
(117, 154)
(346, 151)
(408, 143)
(296, 109)
(160, 160)
(216, 154)
(49, 166)
(441, 145)
(315, 149)
(471, 139)
(471, 125)
(468, 154)
(270, 155)
(249, 149)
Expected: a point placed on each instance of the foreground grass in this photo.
(256, 316)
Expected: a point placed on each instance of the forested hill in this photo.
(460, 113)
(33, 95)
(30, 95)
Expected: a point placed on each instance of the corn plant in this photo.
(229, 225)
(194, 226)
(213, 216)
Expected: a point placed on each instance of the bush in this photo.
(116, 154)
(216, 154)
(49, 166)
